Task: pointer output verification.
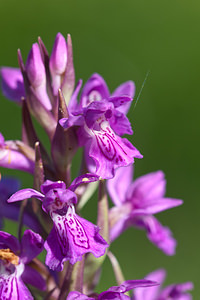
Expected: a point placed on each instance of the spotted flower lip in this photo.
(115, 292)
(105, 151)
(173, 291)
(14, 269)
(137, 202)
(74, 235)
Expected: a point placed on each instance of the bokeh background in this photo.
(124, 40)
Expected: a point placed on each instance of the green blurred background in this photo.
(123, 40)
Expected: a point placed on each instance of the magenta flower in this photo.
(104, 149)
(135, 204)
(12, 155)
(14, 269)
(71, 235)
(114, 292)
(172, 292)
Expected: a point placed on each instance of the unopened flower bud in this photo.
(36, 74)
(58, 62)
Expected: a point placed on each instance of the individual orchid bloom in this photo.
(95, 91)
(104, 149)
(8, 186)
(114, 292)
(172, 292)
(16, 155)
(136, 203)
(71, 235)
(15, 270)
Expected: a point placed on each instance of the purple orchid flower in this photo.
(71, 235)
(114, 292)
(96, 91)
(15, 271)
(173, 291)
(104, 149)
(12, 155)
(135, 204)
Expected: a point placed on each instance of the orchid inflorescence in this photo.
(49, 216)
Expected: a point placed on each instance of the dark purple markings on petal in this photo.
(106, 142)
(94, 96)
(77, 231)
(62, 236)
(9, 289)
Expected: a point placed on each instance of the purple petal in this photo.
(120, 123)
(25, 194)
(8, 186)
(32, 245)
(95, 89)
(177, 291)
(37, 76)
(58, 59)
(119, 100)
(86, 178)
(13, 288)
(117, 292)
(9, 241)
(157, 206)
(96, 110)
(12, 83)
(109, 151)
(35, 67)
(50, 185)
(69, 76)
(107, 295)
(55, 255)
(158, 235)
(73, 105)
(147, 188)
(78, 296)
(58, 62)
(12, 157)
(119, 220)
(126, 88)
(118, 186)
(132, 284)
(31, 276)
(153, 292)
(70, 238)
(58, 199)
